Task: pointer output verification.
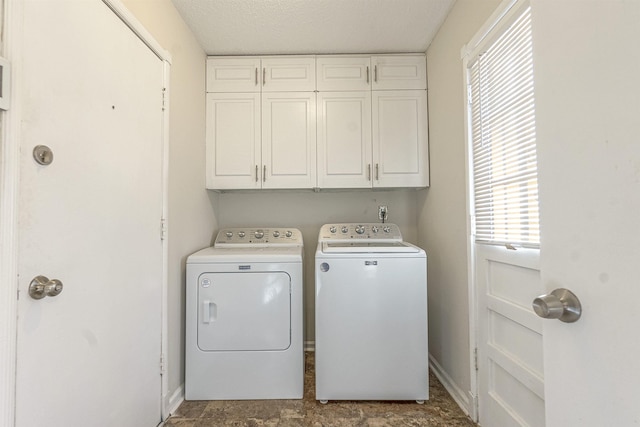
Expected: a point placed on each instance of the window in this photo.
(503, 140)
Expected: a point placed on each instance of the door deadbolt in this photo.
(43, 155)
(41, 287)
(561, 304)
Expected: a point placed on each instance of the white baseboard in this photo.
(452, 388)
(173, 402)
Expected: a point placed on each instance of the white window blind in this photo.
(502, 114)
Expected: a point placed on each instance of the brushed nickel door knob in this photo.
(561, 304)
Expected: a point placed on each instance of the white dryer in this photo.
(244, 322)
(371, 315)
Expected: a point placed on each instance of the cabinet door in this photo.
(344, 140)
(399, 72)
(289, 73)
(233, 140)
(343, 73)
(400, 146)
(289, 140)
(233, 74)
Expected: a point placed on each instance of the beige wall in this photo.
(442, 229)
(432, 218)
(192, 210)
(308, 211)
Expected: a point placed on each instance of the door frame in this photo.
(12, 28)
(504, 9)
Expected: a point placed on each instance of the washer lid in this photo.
(369, 247)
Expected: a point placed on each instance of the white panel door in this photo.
(344, 140)
(233, 141)
(289, 140)
(588, 125)
(92, 92)
(510, 364)
(400, 150)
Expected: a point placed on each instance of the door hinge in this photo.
(161, 363)
(475, 358)
(163, 228)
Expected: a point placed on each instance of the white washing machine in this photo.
(371, 315)
(244, 316)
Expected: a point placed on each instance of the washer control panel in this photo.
(252, 237)
(365, 231)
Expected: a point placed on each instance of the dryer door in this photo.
(244, 311)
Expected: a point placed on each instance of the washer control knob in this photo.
(360, 229)
(375, 229)
(241, 234)
(386, 229)
(259, 234)
(288, 233)
(344, 229)
(229, 234)
(333, 229)
(276, 233)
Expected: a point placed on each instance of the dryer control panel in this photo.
(258, 237)
(366, 231)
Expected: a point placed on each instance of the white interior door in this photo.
(588, 127)
(92, 92)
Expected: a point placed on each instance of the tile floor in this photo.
(439, 410)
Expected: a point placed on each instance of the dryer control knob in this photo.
(375, 229)
(276, 233)
(259, 234)
(229, 234)
(333, 229)
(386, 229)
(288, 233)
(241, 233)
(345, 229)
(360, 229)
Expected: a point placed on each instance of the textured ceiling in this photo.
(262, 27)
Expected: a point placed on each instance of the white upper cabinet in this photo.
(257, 138)
(343, 73)
(233, 141)
(392, 72)
(289, 74)
(400, 151)
(234, 74)
(368, 134)
(327, 121)
(344, 140)
(288, 140)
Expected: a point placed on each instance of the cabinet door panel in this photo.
(233, 140)
(344, 139)
(399, 72)
(233, 74)
(290, 73)
(344, 73)
(400, 150)
(289, 140)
